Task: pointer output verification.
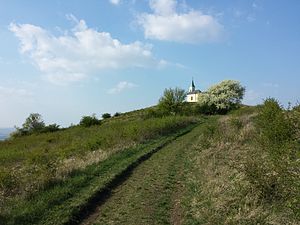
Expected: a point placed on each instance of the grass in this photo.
(227, 170)
(60, 202)
(225, 160)
(149, 194)
(33, 165)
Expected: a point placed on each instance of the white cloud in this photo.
(121, 86)
(167, 24)
(163, 7)
(270, 85)
(78, 52)
(9, 93)
(115, 2)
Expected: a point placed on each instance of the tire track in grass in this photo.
(100, 195)
(151, 193)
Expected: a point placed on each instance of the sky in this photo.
(65, 59)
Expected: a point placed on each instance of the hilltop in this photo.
(135, 169)
(211, 162)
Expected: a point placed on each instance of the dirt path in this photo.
(151, 195)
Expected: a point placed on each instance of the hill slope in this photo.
(223, 171)
(201, 178)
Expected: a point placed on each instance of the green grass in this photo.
(148, 196)
(30, 165)
(60, 202)
(227, 170)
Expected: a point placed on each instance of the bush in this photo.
(33, 124)
(51, 128)
(88, 121)
(273, 169)
(106, 116)
(19, 132)
(275, 127)
(117, 114)
(171, 102)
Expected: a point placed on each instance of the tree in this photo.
(172, 100)
(33, 123)
(222, 97)
(106, 115)
(117, 114)
(88, 121)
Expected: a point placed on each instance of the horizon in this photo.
(65, 59)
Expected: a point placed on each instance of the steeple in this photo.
(192, 87)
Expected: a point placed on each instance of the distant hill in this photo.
(4, 132)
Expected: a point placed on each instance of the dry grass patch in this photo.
(218, 187)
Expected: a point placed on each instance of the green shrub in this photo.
(34, 124)
(50, 128)
(275, 128)
(117, 114)
(106, 116)
(88, 121)
(273, 167)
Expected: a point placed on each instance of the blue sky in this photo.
(65, 59)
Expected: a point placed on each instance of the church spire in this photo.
(192, 87)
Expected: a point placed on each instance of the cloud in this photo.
(166, 24)
(270, 85)
(121, 86)
(163, 7)
(115, 2)
(78, 52)
(9, 93)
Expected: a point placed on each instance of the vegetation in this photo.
(171, 102)
(244, 169)
(209, 174)
(238, 168)
(32, 165)
(61, 203)
(117, 114)
(34, 124)
(106, 116)
(275, 171)
(149, 199)
(221, 98)
(88, 121)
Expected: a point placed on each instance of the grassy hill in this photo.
(240, 168)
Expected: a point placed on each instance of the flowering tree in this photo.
(223, 96)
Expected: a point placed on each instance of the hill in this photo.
(136, 169)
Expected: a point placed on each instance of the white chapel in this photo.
(193, 94)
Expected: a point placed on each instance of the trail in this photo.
(151, 193)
